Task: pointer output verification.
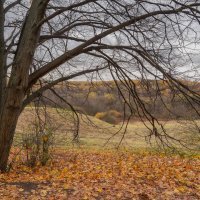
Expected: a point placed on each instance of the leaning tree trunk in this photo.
(8, 123)
(2, 57)
(16, 90)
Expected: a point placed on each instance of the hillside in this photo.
(92, 131)
(101, 97)
(96, 133)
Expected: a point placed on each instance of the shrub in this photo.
(115, 113)
(37, 144)
(92, 95)
(100, 115)
(111, 116)
(109, 98)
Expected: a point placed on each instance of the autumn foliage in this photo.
(111, 116)
(93, 175)
(99, 97)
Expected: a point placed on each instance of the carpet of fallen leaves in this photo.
(105, 175)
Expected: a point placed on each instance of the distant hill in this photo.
(103, 100)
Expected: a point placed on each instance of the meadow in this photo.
(97, 134)
(97, 166)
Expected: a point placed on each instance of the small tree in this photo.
(37, 145)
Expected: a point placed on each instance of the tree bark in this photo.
(7, 130)
(2, 57)
(18, 82)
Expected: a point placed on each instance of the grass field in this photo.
(94, 133)
(91, 170)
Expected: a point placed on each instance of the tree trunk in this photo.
(7, 130)
(2, 57)
(15, 92)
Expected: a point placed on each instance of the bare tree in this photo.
(44, 42)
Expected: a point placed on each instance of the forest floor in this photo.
(95, 171)
(97, 175)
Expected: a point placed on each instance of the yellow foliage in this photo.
(111, 116)
(100, 115)
(93, 95)
(115, 113)
(109, 97)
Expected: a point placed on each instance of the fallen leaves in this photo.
(105, 175)
(43, 193)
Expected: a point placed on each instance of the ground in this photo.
(93, 171)
(89, 174)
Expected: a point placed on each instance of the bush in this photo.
(100, 115)
(109, 98)
(111, 116)
(115, 113)
(37, 144)
(92, 96)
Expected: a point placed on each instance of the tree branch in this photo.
(77, 50)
